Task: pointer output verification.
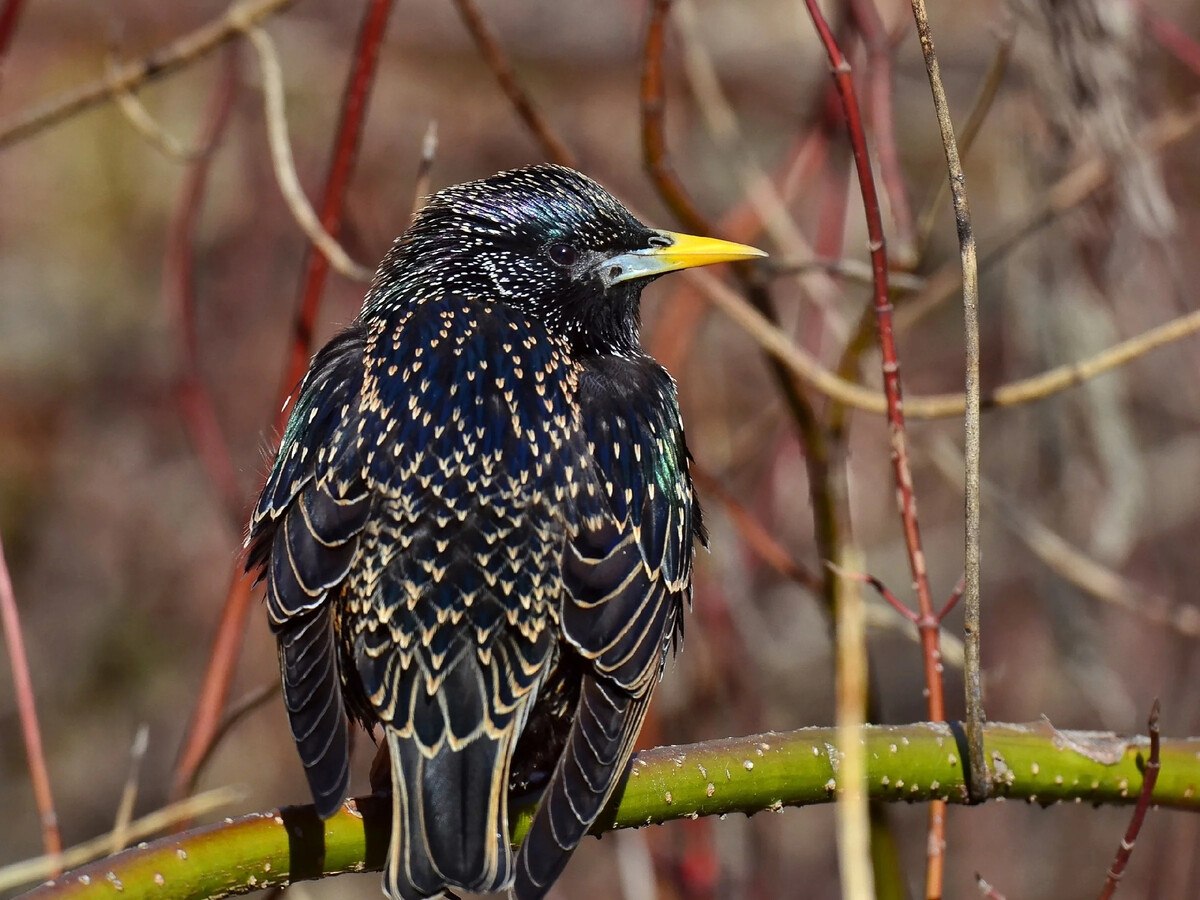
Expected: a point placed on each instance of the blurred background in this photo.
(122, 545)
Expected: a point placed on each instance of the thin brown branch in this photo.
(39, 774)
(493, 54)
(233, 716)
(653, 105)
(165, 60)
(952, 601)
(1149, 777)
(756, 535)
(204, 727)
(973, 679)
(196, 405)
(980, 108)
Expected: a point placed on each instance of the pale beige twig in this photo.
(853, 818)
(163, 61)
(285, 165)
(41, 867)
(932, 406)
(137, 753)
(144, 123)
(429, 145)
(1069, 562)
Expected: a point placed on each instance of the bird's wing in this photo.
(303, 537)
(466, 430)
(627, 575)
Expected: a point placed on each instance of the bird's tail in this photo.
(449, 818)
(592, 765)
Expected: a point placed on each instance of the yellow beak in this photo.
(676, 251)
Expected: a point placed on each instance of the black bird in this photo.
(478, 531)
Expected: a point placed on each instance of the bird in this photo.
(478, 531)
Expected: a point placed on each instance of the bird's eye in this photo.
(562, 254)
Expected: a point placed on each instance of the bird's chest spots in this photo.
(462, 397)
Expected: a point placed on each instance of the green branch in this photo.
(919, 762)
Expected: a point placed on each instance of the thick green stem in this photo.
(918, 762)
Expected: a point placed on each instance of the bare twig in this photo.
(233, 715)
(757, 536)
(1069, 562)
(1149, 777)
(905, 497)
(42, 867)
(163, 61)
(144, 123)
(933, 406)
(285, 166)
(493, 54)
(880, 588)
(429, 145)
(986, 889)
(204, 727)
(137, 753)
(973, 687)
(196, 405)
(988, 91)
(27, 711)
(853, 820)
(337, 180)
(879, 58)
(850, 269)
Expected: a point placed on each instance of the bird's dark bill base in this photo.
(673, 252)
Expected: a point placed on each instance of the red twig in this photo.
(1149, 777)
(196, 405)
(926, 622)
(986, 890)
(10, 14)
(882, 589)
(222, 662)
(879, 57)
(756, 535)
(341, 165)
(952, 602)
(493, 54)
(27, 710)
(1172, 38)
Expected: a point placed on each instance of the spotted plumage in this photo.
(479, 527)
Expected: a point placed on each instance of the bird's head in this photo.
(548, 241)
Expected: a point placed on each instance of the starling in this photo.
(478, 530)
